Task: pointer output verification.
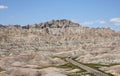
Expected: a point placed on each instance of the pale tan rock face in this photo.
(35, 48)
(73, 71)
(51, 71)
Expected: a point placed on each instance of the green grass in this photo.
(78, 74)
(73, 74)
(96, 66)
(113, 64)
(1, 69)
(71, 66)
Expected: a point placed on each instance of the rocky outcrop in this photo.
(56, 24)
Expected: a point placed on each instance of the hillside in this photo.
(39, 49)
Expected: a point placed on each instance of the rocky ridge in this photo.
(43, 46)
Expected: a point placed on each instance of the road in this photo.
(88, 69)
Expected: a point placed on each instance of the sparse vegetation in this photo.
(96, 66)
(1, 69)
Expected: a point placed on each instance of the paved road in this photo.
(88, 69)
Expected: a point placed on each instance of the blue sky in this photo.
(92, 13)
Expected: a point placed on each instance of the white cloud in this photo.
(93, 22)
(116, 21)
(3, 7)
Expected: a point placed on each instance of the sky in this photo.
(88, 13)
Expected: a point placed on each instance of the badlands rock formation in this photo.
(40, 49)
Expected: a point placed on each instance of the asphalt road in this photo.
(88, 69)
